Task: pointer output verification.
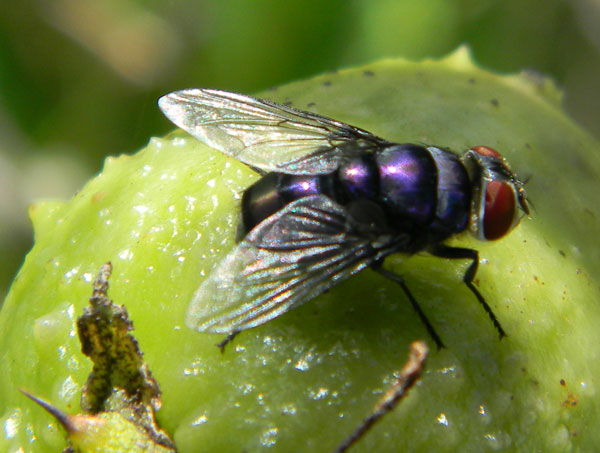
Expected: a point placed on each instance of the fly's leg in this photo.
(443, 251)
(400, 281)
(226, 340)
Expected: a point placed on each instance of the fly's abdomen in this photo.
(416, 188)
(408, 184)
(358, 179)
(275, 190)
(260, 200)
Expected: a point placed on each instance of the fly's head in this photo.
(498, 199)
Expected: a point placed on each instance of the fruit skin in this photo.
(167, 214)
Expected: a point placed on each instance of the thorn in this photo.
(63, 418)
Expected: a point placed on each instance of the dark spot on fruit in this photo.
(369, 73)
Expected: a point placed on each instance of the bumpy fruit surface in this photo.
(166, 215)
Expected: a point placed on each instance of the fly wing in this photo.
(289, 258)
(263, 134)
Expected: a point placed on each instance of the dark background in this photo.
(79, 79)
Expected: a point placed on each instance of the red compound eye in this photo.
(487, 151)
(499, 211)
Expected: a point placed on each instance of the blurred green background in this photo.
(79, 79)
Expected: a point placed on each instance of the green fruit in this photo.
(166, 215)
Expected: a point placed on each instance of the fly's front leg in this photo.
(443, 251)
(400, 281)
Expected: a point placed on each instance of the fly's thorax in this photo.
(453, 192)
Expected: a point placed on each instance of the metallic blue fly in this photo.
(334, 199)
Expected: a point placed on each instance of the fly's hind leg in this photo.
(443, 251)
(226, 340)
(400, 281)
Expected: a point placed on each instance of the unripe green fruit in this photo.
(166, 215)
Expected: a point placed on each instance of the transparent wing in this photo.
(264, 134)
(289, 258)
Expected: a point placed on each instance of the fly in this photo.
(334, 199)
